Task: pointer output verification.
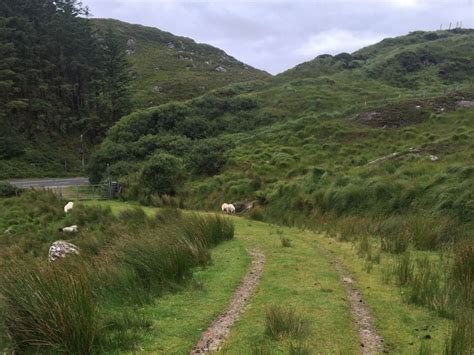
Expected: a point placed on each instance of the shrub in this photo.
(162, 174)
(281, 322)
(285, 242)
(8, 190)
(208, 156)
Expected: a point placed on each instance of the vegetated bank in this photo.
(92, 302)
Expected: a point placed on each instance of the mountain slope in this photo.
(168, 67)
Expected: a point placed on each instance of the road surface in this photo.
(49, 182)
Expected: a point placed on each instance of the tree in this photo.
(163, 174)
(56, 74)
(115, 97)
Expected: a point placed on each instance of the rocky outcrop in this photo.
(220, 69)
(131, 46)
(60, 249)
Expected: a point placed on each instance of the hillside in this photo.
(417, 60)
(166, 67)
(316, 100)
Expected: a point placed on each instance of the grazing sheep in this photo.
(68, 207)
(59, 249)
(224, 207)
(70, 229)
(230, 208)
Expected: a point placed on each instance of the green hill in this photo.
(306, 138)
(168, 67)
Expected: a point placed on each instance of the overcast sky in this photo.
(275, 35)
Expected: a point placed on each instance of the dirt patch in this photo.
(393, 116)
(215, 335)
(370, 341)
(408, 112)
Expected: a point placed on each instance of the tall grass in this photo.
(71, 305)
(50, 306)
(460, 339)
(281, 322)
(404, 269)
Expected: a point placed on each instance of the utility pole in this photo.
(109, 181)
(82, 151)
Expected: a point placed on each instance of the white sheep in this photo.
(230, 208)
(224, 207)
(70, 229)
(68, 207)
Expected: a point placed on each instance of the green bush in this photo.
(8, 190)
(208, 156)
(162, 174)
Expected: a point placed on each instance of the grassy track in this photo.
(300, 277)
(403, 326)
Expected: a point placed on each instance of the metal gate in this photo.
(84, 192)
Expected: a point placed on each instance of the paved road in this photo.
(49, 182)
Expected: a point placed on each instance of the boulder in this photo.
(60, 248)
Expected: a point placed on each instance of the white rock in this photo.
(60, 248)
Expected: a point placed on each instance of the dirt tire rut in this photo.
(213, 338)
(370, 341)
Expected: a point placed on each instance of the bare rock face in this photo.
(220, 69)
(131, 46)
(59, 249)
